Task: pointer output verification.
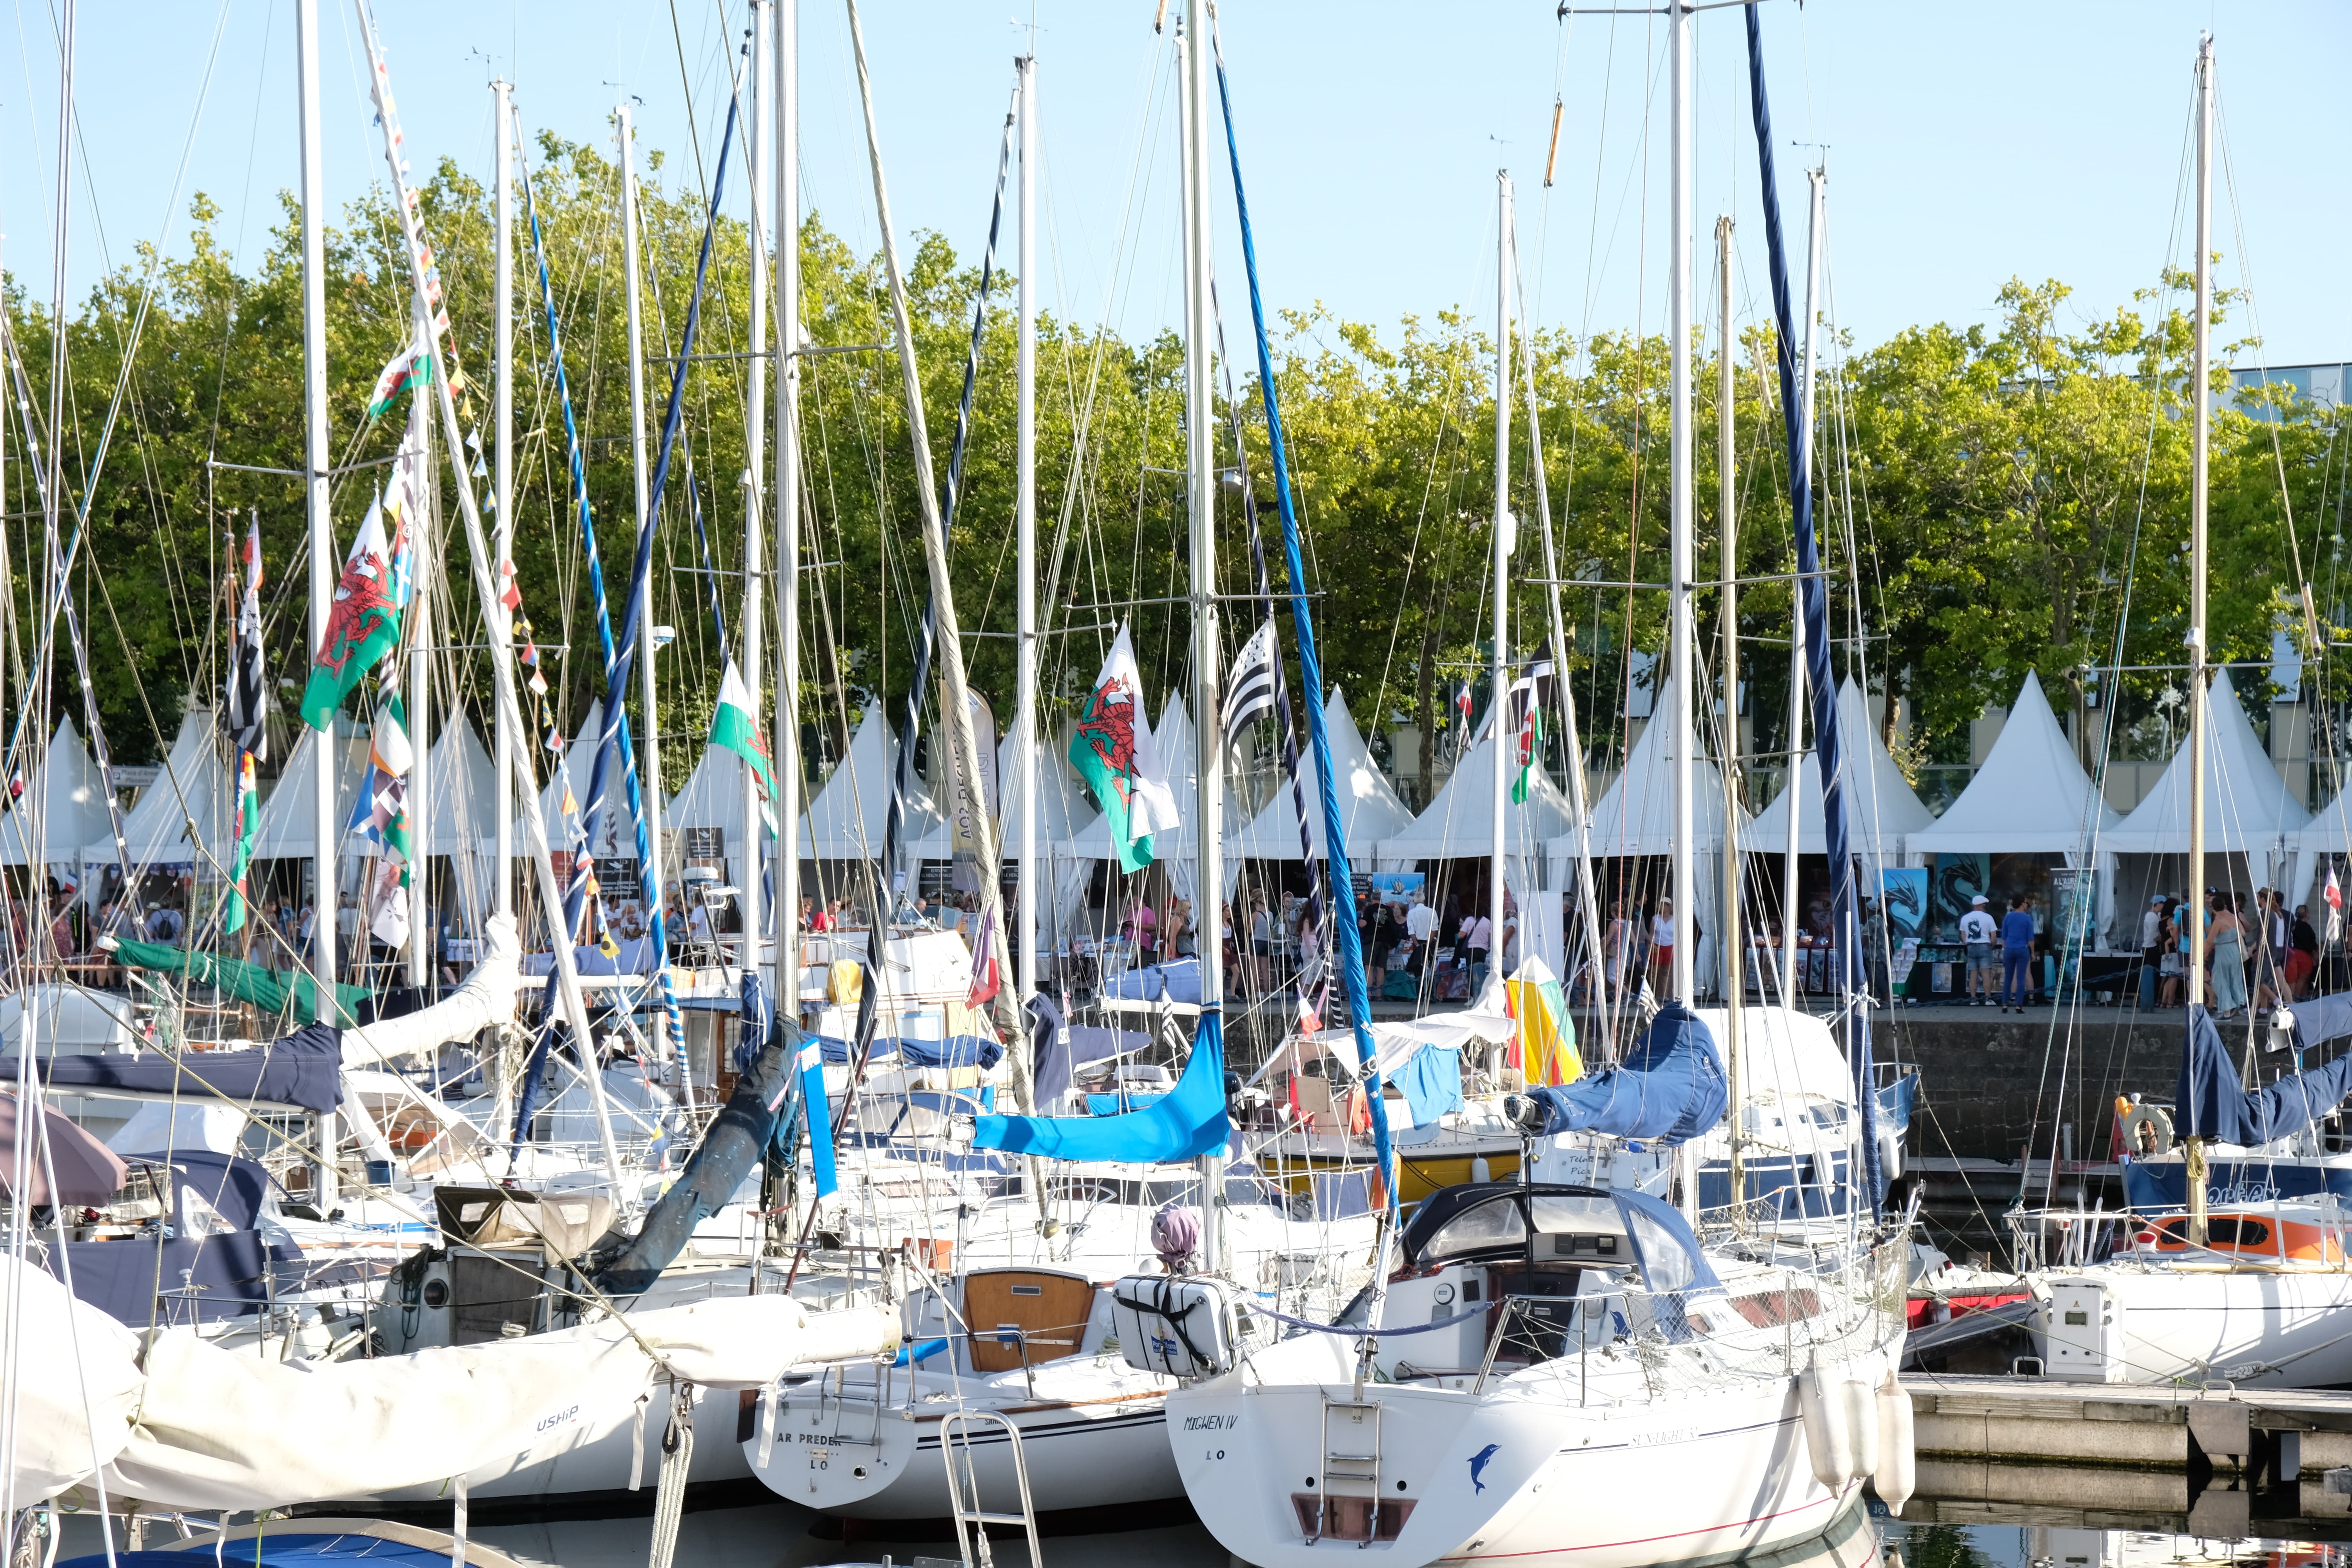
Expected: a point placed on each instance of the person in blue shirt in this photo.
(2016, 955)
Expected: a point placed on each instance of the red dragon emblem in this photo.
(361, 604)
(1108, 728)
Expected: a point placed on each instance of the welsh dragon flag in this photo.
(1114, 752)
(363, 621)
(406, 370)
(735, 727)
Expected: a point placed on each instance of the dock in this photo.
(2214, 1461)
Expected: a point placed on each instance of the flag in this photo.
(248, 816)
(1114, 752)
(1250, 689)
(817, 1110)
(388, 901)
(2335, 896)
(362, 622)
(382, 807)
(248, 687)
(735, 727)
(987, 980)
(406, 370)
(1530, 746)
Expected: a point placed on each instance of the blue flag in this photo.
(818, 1109)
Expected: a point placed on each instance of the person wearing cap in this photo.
(1977, 929)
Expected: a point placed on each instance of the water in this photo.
(779, 1535)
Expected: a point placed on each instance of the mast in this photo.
(324, 858)
(1680, 663)
(755, 464)
(1200, 496)
(1733, 947)
(2200, 474)
(1025, 710)
(502, 488)
(1499, 654)
(787, 728)
(421, 933)
(632, 282)
(1803, 414)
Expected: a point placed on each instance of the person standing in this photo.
(2303, 961)
(2016, 955)
(2225, 957)
(2151, 949)
(1662, 948)
(1481, 943)
(1976, 929)
(1261, 946)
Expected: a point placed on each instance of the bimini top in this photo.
(1591, 1225)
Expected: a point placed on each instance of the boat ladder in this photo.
(1351, 1470)
(963, 1486)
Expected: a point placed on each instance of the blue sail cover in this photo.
(303, 1068)
(2212, 1104)
(1669, 1090)
(1184, 1124)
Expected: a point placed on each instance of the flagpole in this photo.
(786, 745)
(755, 462)
(1497, 716)
(502, 489)
(324, 859)
(418, 525)
(650, 796)
(1024, 720)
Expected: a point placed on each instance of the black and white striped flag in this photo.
(1256, 677)
(244, 717)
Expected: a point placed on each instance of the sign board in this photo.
(704, 844)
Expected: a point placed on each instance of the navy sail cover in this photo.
(303, 1068)
(2213, 1104)
(1669, 1090)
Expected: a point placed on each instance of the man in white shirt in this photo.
(1420, 920)
(1977, 929)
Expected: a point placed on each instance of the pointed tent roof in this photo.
(1459, 824)
(1636, 814)
(1062, 806)
(578, 762)
(285, 829)
(2329, 831)
(846, 820)
(193, 786)
(2247, 805)
(1179, 753)
(460, 793)
(2030, 795)
(713, 796)
(1879, 802)
(1369, 810)
(73, 806)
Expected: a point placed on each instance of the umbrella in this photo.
(87, 1171)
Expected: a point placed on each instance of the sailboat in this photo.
(1538, 1364)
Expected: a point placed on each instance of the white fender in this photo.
(1860, 1393)
(1890, 1154)
(1829, 1432)
(1897, 1465)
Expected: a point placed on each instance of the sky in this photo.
(1965, 144)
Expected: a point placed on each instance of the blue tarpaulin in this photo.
(2212, 1103)
(1178, 979)
(301, 1069)
(1185, 1123)
(1431, 1081)
(1669, 1090)
(955, 1051)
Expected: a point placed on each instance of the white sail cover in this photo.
(1880, 807)
(844, 821)
(1636, 814)
(487, 997)
(191, 793)
(2030, 795)
(73, 807)
(2248, 807)
(287, 828)
(214, 1429)
(1369, 810)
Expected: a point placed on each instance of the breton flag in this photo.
(1250, 689)
(248, 687)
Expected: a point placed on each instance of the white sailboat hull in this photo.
(2259, 1328)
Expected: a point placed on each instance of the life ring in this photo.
(2158, 1136)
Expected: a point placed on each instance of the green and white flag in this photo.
(735, 727)
(248, 817)
(1115, 753)
(407, 371)
(362, 622)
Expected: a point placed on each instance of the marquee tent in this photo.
(1459, 824)
(1369, 810)
(1880, 807)
(461, 812)
(2249, 810)
(287, 826)
(190, 797)
(73, 807)
(614, 838)
(846, 820)
(1062, 807)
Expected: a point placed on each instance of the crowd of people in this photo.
(2256, 954)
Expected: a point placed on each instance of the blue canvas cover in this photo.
(2212, 1103)
(301, 1069)
(1059, 1047)
(1431, 1081)
(1669, 1090)
(1178, 979)
(1187, 1123)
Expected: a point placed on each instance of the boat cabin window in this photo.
(2223, 1230)
(1494, 1223)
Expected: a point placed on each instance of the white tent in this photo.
(846, 820)
(1459, 824)
(461, 793)
(73, 807)
(1634, 816)
(287, 827)
(1881, 810)
(713, 798)
(2030, 795)
(2327, 834)
(2248, 807)
(1062, 807)
(1369, 810)
(614, 838)
(192, 789)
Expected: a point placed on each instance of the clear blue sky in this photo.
(1968, 143)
